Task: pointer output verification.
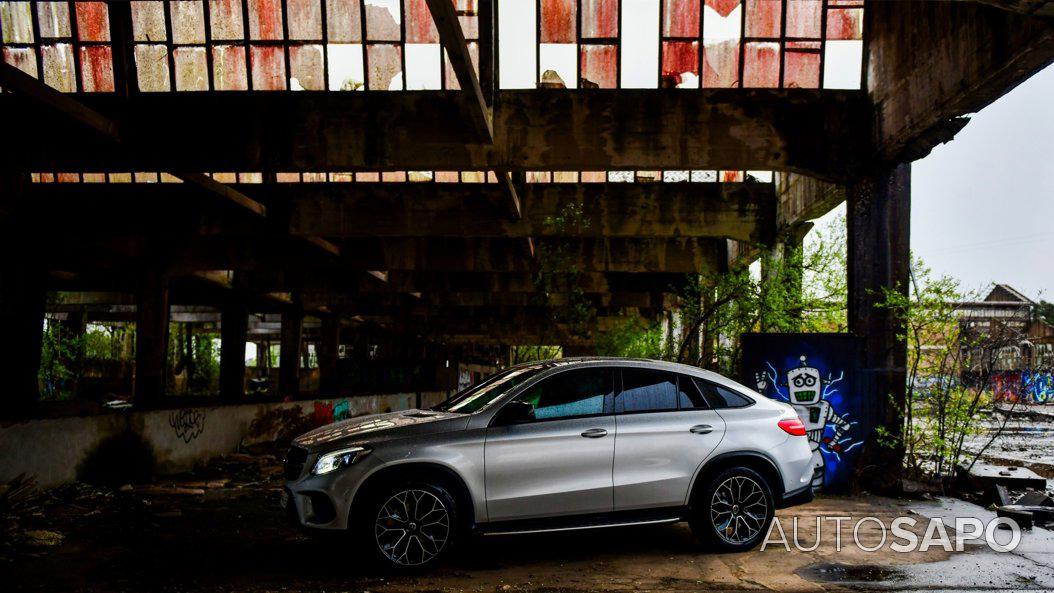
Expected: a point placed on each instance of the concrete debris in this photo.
(982, 476)
(42, 538)
(1034, 498)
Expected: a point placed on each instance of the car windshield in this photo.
(475, 398)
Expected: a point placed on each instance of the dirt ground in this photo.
(221, 530)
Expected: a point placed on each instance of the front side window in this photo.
(476, 397)
(581, 392)
(646, 390)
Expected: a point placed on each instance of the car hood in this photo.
(376, 427)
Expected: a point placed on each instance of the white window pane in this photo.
(516, 44)
(563, 59)
(345, 67)
(423, 66)
(841, 64)
(640, 44)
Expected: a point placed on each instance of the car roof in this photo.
(665, 365)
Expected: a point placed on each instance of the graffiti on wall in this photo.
(187, 423)
(817, 375)
(1027, 386)
(329, 412)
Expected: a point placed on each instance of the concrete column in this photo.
(151, 337)
(22, 296)
(234, 329)
(328, 350)
(878, 225)
(289, 360)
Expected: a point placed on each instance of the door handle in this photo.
(595, 433)
(701, 429)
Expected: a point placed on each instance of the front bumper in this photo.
(323, 502)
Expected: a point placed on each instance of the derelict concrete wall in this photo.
(54, 451)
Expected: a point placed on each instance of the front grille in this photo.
(294, 462)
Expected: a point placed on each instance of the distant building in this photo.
(1009, 317)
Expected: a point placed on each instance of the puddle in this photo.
(849, 573)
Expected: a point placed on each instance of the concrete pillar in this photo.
(289, 360)
(234, 329)
(878, 225)
(328, 351)
(22, 296)
(151, 337)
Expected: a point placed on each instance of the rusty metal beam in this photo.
(453, 40)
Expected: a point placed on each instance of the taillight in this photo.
(793, 427)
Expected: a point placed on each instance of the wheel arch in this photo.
(417, 471)
(755, 460)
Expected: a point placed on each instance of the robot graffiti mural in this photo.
(817, 375)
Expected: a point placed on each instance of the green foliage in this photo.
(534, 353)
(634, 339)
(58, 356)
(558, 278)
(1045, 311)
(197, 355)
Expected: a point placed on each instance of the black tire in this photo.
(426, 515)
(726, 524)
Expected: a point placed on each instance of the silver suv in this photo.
(556, 445)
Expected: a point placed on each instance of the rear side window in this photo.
(571, 393)
(645, 390)
(689, 397)
(723, 397)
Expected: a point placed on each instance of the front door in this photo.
(560, 462)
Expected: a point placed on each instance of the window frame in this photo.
(710, 398)
(609, 398)
(677, 397)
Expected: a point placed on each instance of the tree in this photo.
(1045, 311)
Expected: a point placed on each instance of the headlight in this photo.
(334, 460)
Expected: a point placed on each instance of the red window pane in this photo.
(721, 64)
(305, 67)
(305, 19)
(268, 67)
(225, 17)
(451, 78)
(558, 21)
(599, 65)
(382, 20)
(763, 18)
(680, 64)
(265, 19)
(680, 18)
(148, 21)
(343, 23)
(93, 21)
(761, 64)
(386, 69)
(845, 23)
(96, 69)
(801, 70)
(803, 18)
(731, 176)
(228, 68)
(600, 18)
(420, 28)
(188, 22)
(68, 177)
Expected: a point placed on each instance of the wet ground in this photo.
(214, 533)
(1024, 435)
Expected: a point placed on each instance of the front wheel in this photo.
(734, 510)
(412, 526)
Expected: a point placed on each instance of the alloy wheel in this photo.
(738, 509)
(412, 527)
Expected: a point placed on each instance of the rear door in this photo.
(665, 432)
(561, 462)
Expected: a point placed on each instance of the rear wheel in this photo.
(411, 526)
(734, 509)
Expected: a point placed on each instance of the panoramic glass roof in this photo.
(393, 45)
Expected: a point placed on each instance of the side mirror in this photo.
(514, 412)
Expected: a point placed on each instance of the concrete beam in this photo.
(822, 133)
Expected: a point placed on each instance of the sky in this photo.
(982, 205)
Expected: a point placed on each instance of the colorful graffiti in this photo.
(328, 412)
(817, 375)
(1027, 386)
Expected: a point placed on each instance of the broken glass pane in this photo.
(761, 64)
(558, 21)
(53, 18)
(764, 18)
(188, 22)
(228, 68)
(93, 21)
(680, 64)
(386, 69)
(225, 20)
(151, 65)
(451, 77)
(305, 68)
(305, 19)
(599, 66)
(420, 28)
(191, 69)
(680, 18)
(640, 44)
(558, 65)
(265, 19)
(383, 21)
(423, 69)
(17, 22)
(842, 64)
(343, 23)
(59, 71)
(345, 67)
(268, 67)
(517, 68)
(96, 69)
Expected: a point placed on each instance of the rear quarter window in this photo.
(721, 397)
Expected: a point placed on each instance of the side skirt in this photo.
(591, 521)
